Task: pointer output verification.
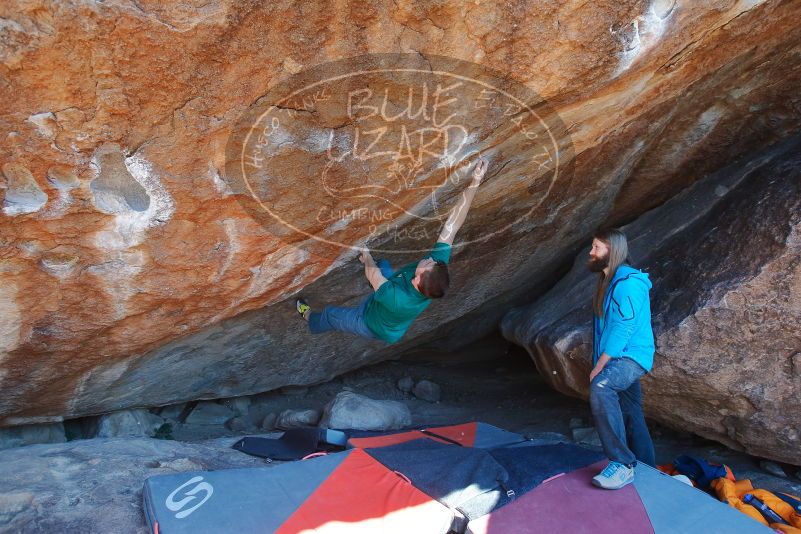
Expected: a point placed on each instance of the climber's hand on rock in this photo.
(365, 255)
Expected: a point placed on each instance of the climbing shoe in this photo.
(302, 306)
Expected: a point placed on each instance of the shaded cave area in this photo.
(491, 380)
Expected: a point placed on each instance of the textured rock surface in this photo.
(725, 260)
(96, 485)
(427, 390)
(127, 423)
(297, 418)
(268, 422)
(31, 434)
(209, 413)
(238, 405)
(406, 384)
(586, 436)
(131, 277)
(172, 412)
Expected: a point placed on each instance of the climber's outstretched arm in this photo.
(459, 212)
(371, 270)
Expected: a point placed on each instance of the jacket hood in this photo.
(627, 271)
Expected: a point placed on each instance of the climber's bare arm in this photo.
(459, 212)
(371, 270)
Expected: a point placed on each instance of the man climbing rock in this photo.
(398, 297)
(623, 351)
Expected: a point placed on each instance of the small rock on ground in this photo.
(406, 384)
(209, 413)
(268, 423)
(587, 436)
(257, 413)
(237, 424)
(427, 390)
(353, 411)
(134, 423)
(297, 418)
(773, 468)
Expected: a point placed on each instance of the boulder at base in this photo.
(353, 411)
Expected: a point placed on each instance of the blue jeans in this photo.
(346, 319)
(616, 402)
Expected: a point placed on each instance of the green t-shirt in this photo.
(397, 303)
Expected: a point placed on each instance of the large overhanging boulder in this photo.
(725, 260)
(134, 273)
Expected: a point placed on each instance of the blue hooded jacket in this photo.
(625, 329)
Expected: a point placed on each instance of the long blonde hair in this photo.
(618, 255)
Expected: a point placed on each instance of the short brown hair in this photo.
(434, 282)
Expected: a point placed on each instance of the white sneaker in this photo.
(614, 476)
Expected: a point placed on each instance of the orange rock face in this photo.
(133, 272)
